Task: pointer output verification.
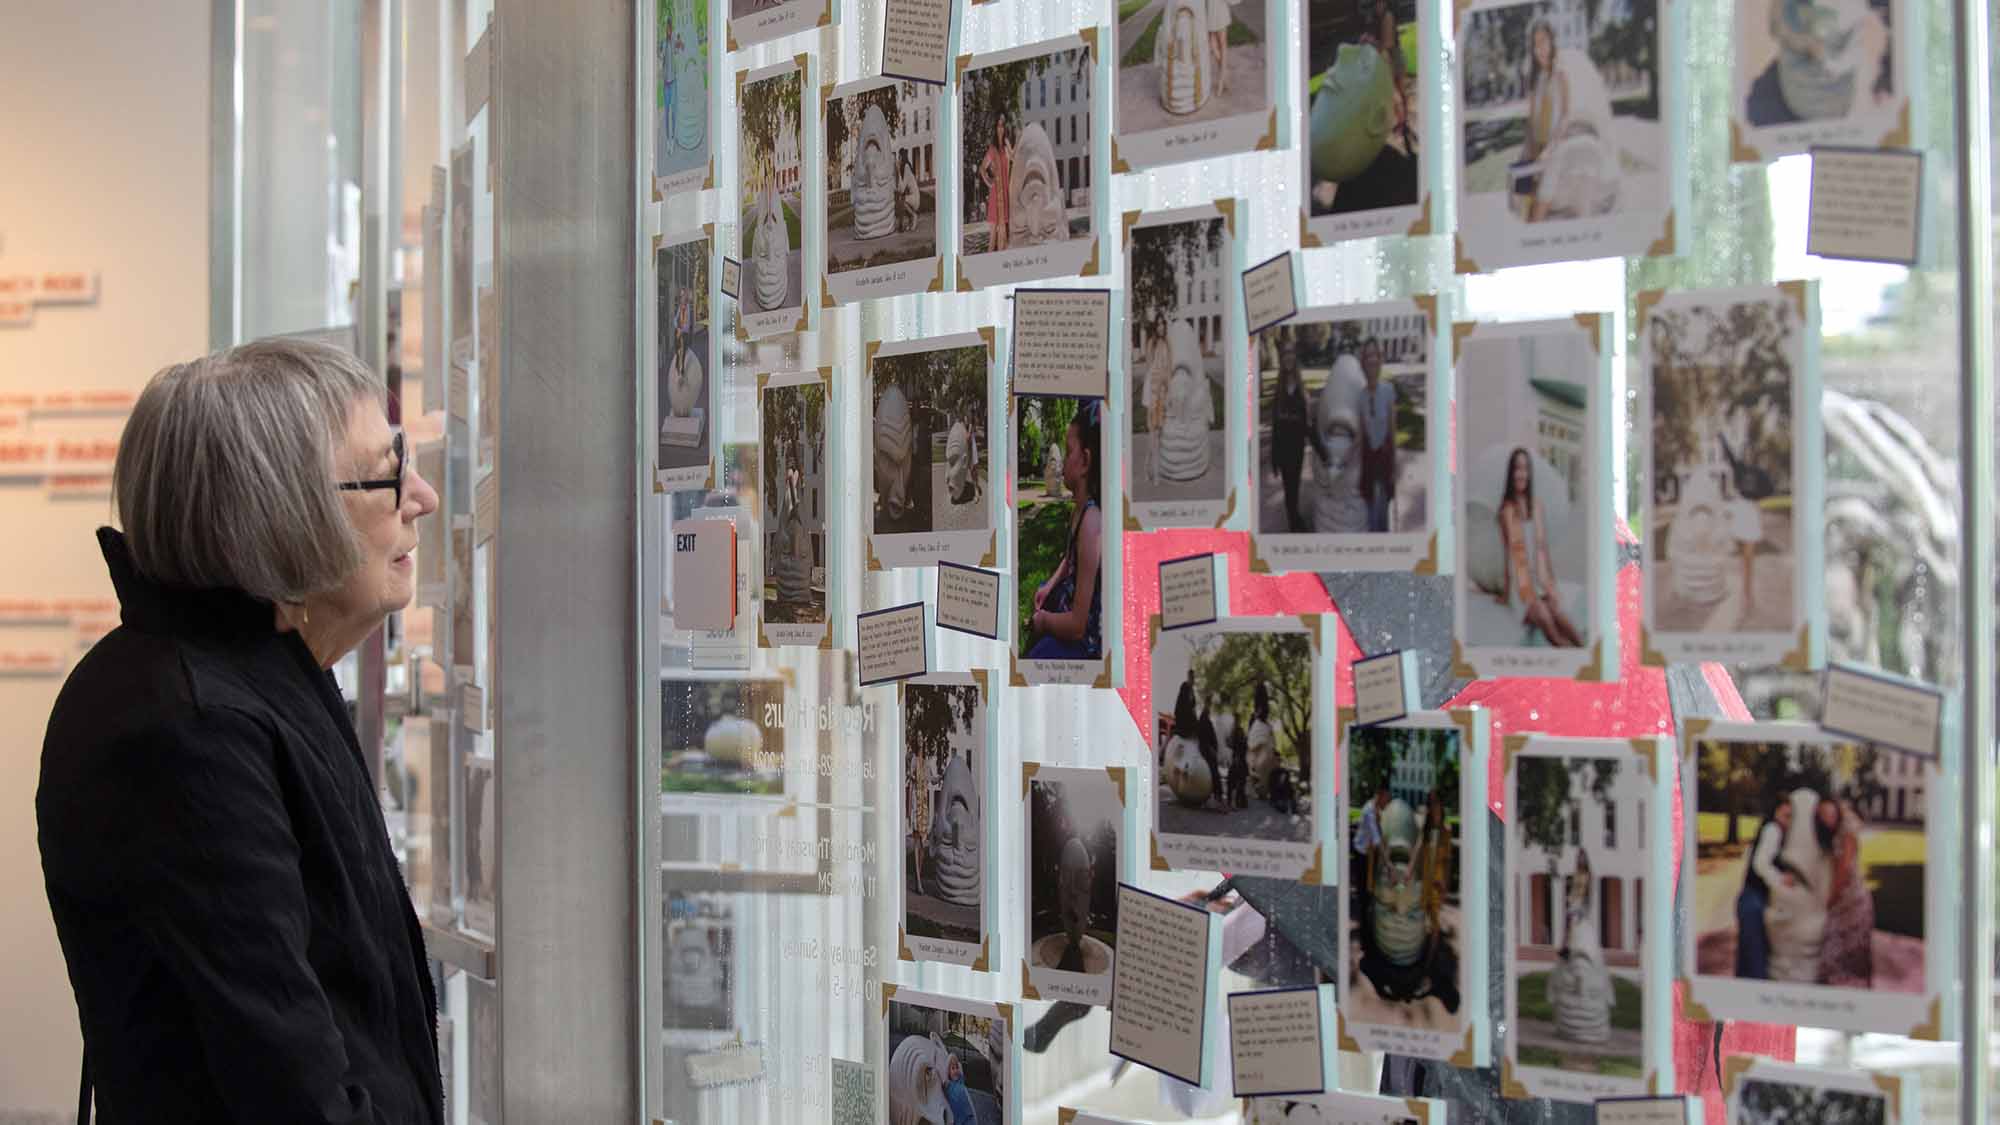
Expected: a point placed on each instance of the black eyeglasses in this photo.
(395, 482)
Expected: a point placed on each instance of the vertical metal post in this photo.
(372, 321)
(563, 101)
(225, 171)
(1976, 486)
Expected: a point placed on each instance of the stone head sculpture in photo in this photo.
(1035, 211)
(916, 1081)
(895, 451)
(1183, 445)
(1337, 504)
(1352, 114)
(955, 844)
(1580, 985)
(1397, 919)
(1180, 51)
(773, 256)
(960, 460)
(874, 183)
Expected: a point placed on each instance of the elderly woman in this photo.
(237, 930)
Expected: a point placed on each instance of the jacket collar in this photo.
(150, 607)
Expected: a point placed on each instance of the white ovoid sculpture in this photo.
(955, 840)
(874, 184)
(1795, 920)
(1183, 446)
(687, 384)
(1397, 919)
(1186, 771)
(1262, 756)
(1180, 51)
(1337, 504)
(1701, 551)
(732, 739)
(691, 101)
(1035, 212)
(1580, 168)
(895, 452)
(1052, 471)
(774, 253)
(1580, 985)
(961, 455)
(916, 1081)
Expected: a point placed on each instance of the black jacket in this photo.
(238, 935)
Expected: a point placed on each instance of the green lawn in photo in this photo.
(1142, 47)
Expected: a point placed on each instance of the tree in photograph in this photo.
(1163, 257)
(1742, 777)
(1230, 670)
(793, 417)
(1722, 376)
(1043, 421)
(1782, 1103)
(1548, 790)
(770, 107)
(931, 712)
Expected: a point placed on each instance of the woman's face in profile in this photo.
(386, 579)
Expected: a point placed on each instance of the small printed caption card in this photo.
(968, 600)
(916, 40)
(733, 1065)
(891, 644)
(1278, 1042)
(1187, 592)
(732, 277)
(1062, 342)
(1385, 687)
(1886, 710)
(1163, 983)
(1270, 296)
(1866, 204)
(1672, 1109)
(705, 575)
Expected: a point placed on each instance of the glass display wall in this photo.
(1399, 668)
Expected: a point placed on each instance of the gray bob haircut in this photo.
(226, 471)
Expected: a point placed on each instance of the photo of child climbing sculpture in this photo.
(1233, 729)
(1809, 863)
(680, 111)
(1074, 817)
(1722, 541)
(1576, 861)
(947, 1061)
(1405, 914)
(944, 811)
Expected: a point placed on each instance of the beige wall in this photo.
(105, 147)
